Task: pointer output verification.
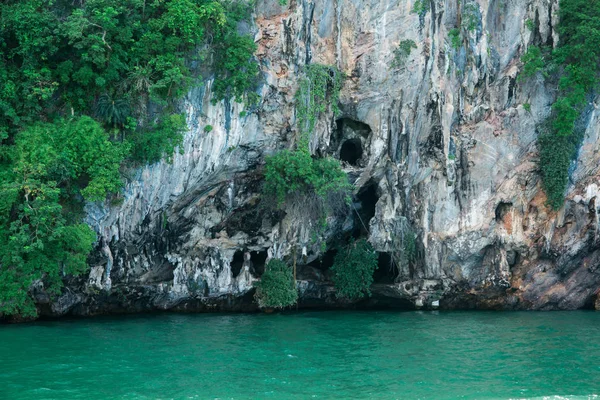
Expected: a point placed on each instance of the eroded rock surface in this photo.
(441, 146)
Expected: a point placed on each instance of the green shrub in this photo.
(530, 24)
(276, 288)
(410, 247)
(421, 7)
(319, 86)
(533, 62)
(455, 38)
(352, 270)
(114, 112)
(236, 71)
(288, 172)
(295, 171)
(579, 61)
(161, 140)
(95, 55)
(402, 52)
(470, 17)
(556, 153)
(41, 179)
(527, 107)
(208, 128)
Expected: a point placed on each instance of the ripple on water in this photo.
(346, 355)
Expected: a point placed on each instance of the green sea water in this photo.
(322, 355)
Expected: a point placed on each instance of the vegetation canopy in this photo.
(47, 169)
(276, 288)
(84, 87)
(292, 171)
(577, 61)
(353, 268)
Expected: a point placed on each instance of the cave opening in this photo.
(590, 302)
(351, 151)
(501, 210)
(386, 271)
(324, 262)
(348, 126)
(258, 260)
(513, 257)
(236, 263)
(365, 208)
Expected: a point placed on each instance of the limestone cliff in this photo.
(441, 145)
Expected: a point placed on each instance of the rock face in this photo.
(441, 144)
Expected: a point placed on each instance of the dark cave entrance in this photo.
(365, 209)
(351, 151)
(348, 126)
(258, 259)
(386, 271)
(502, 209)
(324, 262)
(257, 262)
(236, 263)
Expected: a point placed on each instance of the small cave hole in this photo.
(502, 209)
(386, 269)
(351, 151)
(365, 209)
(512, 258)
(325, 261)
(316, 270)
(258, 260)
(348, 126)
(236, 263)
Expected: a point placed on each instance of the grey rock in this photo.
(445, 142)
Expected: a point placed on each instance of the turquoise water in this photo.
(324, 355)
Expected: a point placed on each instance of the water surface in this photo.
(323, 355)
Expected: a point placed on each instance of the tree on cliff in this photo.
(86, 88)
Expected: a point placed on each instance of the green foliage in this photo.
(318, 87)
(352, 270)
(455, 38)
(469, 20)
(110, 59)
(530, 24)
(114, 112)
(276, 288)
(421, 7)
(533, 62)
(556, 153)
(41, 174)
(577, 55)
(470, 17)
(289, 172)
(402, 53)
(208, 128)
(295, 171)
(236, 72)
(410, 247)
(37, 244)
(527, 107)
(151, 145)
